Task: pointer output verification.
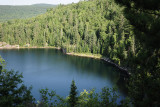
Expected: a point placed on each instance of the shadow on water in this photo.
(102, 69)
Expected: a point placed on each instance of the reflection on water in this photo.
(49, 68)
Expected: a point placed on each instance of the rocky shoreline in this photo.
(116, 65)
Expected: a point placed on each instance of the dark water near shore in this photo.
(50, 68)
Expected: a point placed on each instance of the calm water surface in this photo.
(50, 68)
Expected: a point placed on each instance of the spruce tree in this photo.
(73, 95)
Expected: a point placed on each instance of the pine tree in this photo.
(73, 95)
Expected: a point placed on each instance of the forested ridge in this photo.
(10, 12)
(96, 26)
(127, 32)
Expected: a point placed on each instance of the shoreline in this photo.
(34, 47)
(88, 55)
(100, 57)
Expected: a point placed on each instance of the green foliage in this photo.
(2, 62)
(144, 84)
(12, 92)
(144, 15)
(22, 12)
(94, 26)
(99, 27)
(73, 95)
(106, 98)
(126, 103)
(51, 99)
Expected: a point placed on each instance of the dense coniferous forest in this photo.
(127, 32)
(97, 27)
(22, 12)
(144, 83)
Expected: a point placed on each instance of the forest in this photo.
(22, 11)
(126, 32)
(97, 27)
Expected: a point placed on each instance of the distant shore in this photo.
(34, 47)
(4, 45)
(89, 55)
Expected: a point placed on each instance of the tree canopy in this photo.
(128, 34)
(94, 26)
(8, 12)
(144, 15)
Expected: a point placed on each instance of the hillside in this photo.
(97, 27)
(8, 12)
(100, 27)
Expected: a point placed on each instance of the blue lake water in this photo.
(50, 68)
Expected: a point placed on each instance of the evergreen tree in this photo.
(73, 95)
(144, 15)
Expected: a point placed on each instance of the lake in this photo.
(50, 68)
